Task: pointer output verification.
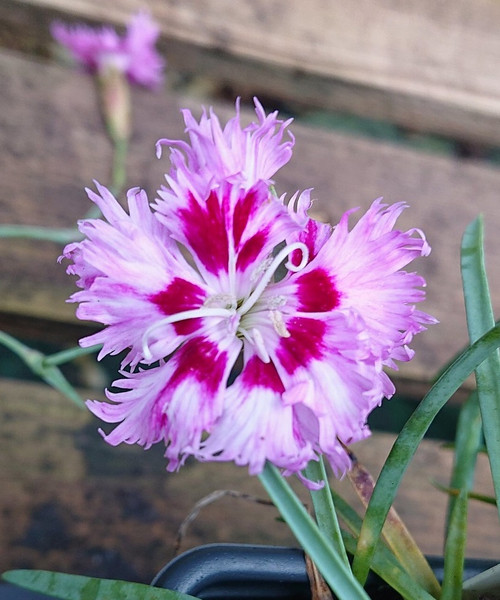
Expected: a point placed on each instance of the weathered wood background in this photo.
(424, 67)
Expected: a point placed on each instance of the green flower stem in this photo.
(407, 442)
(324, 509)
(479, 319)
(65, 356)
(314, 543)
(35, 360)
(118, 175)
(48, 234)
(17, 347)
(119, 172)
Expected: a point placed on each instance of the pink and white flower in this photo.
(98, 49)
(264, 333)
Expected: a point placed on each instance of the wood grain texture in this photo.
(72, 503)
(52, 146)
(427, 66)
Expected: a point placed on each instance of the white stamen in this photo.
(257, 341)
(260, 347)
(195, 313)
(276, 302)
(266, 278)
(225, 301)
(279, 324)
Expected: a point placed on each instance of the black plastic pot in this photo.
(241, 572)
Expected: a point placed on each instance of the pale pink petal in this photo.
(214, 154)
(133, 276)
(145, 66)
(175, 402)
(256, 425)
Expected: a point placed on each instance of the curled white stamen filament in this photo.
(266, 278)
(195, 313)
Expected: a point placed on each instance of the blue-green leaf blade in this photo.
(407, 442)
(468, 442)
(79, 587)
(480, 318)
(454, 554)
(324, 507)
(327, 560)
(384, 564)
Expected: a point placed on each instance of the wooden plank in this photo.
(52, 146)
(422, 66)
(72, 503)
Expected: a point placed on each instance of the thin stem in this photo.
(33, 232)
(35, 360)
(119, 170)
(324, 508)
(118, 175)
(314, 543)
(64, 356)
(17, 347)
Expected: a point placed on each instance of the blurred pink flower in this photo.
(99, 49)
(264, 332)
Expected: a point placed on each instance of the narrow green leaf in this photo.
(468, 443)
(64, 356)
(407, 442)
(347, 514)
(479, 319)
(54, 377)
(468, 440)
(395, 533)
(387, 568)
(443, 368)
(324, 508)
(454, 552)
(48, 234)
(471, 495)
(384, 564)
(328, 562)
(79, 587)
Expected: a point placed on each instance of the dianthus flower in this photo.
(252, 332)
(98, 49)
